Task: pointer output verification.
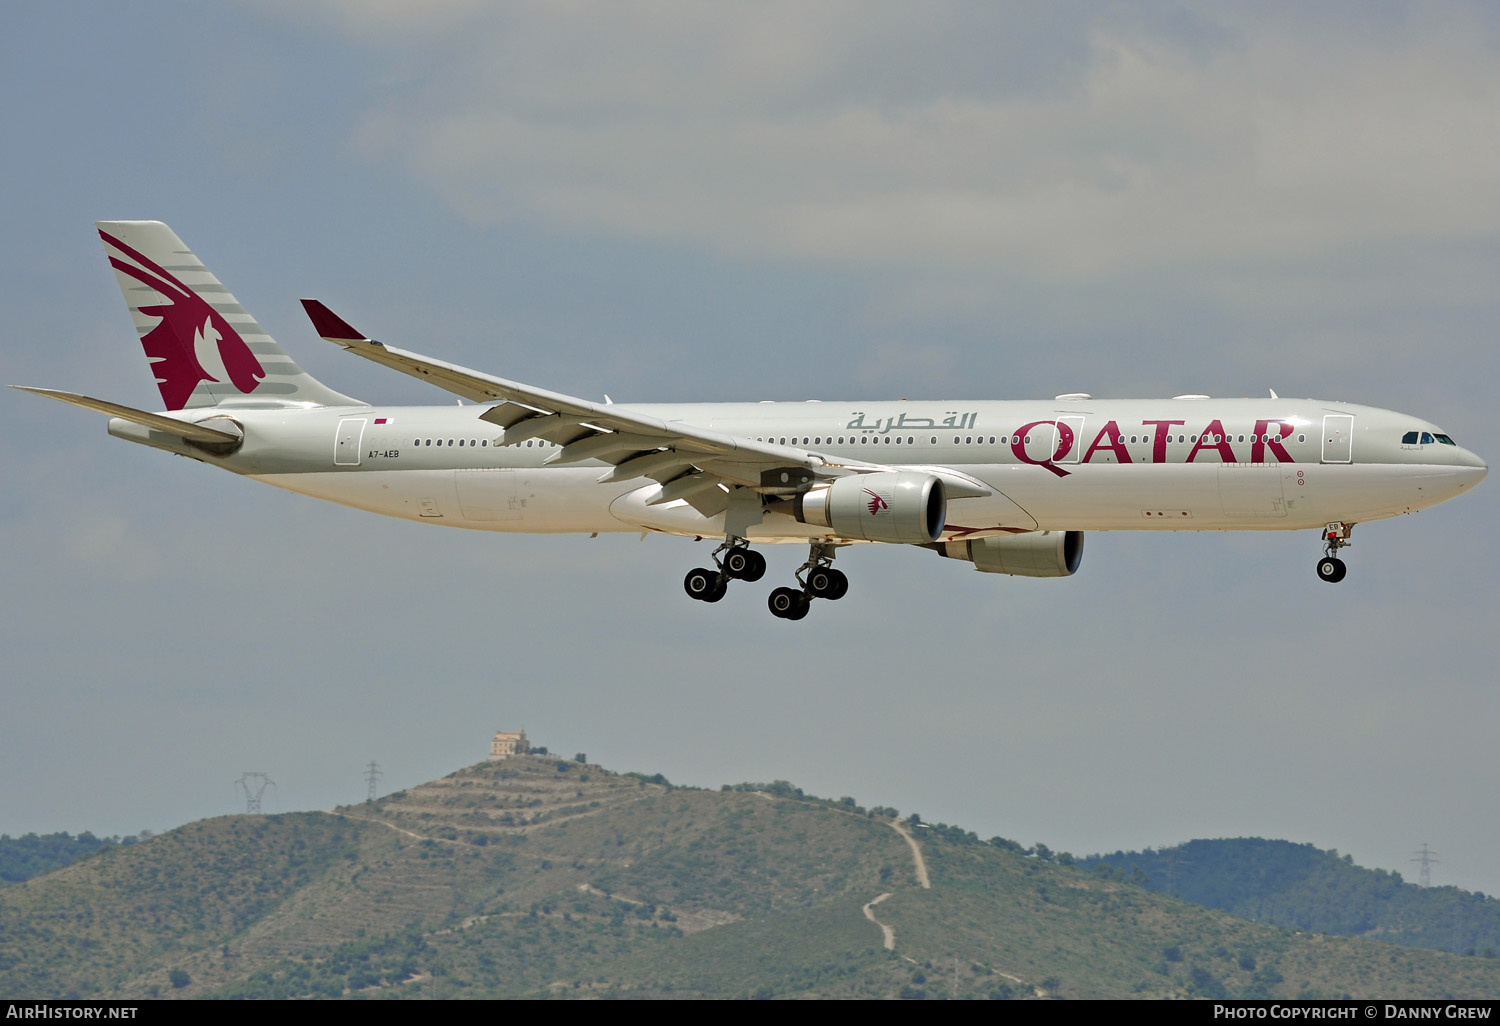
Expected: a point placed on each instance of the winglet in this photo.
(329, 325)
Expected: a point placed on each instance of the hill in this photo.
(29, 855)
(541, 877)
(1299, 886)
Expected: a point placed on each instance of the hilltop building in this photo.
(506, 743)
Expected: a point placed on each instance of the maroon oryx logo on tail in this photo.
(192, 342)
(876, 503)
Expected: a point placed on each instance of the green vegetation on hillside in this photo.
(29, 855)
(1301, 887)
(535, 877)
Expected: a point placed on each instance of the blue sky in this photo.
(670, 202)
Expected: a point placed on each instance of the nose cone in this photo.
(1471, 470)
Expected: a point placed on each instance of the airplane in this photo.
(1009, 487)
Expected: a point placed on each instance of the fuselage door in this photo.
(1338, 438)
(1070, 430)
(346, 446)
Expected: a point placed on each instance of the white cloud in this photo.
(770, 131)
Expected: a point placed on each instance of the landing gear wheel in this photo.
(827, 583)
(721, 588)
(787, 603)
(701, 583)
(744, 564)
(757, 568)
(1335, 536)
(1332, 569)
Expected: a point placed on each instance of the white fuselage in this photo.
(1062, 465)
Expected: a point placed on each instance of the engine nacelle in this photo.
(1034, 554)
(904, 507)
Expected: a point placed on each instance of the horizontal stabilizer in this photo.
(195, 433)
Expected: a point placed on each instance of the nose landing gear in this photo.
(1331, 568)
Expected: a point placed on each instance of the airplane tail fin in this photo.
(204, 347)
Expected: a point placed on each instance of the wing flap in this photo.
(685, 488)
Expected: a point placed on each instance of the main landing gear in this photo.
(1331, 568)
(818, 579)
(739, 562)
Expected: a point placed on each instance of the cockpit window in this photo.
(1425, 438)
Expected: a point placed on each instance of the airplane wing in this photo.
(692, 463)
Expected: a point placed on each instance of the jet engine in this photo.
(904, 507)
(1034, 554)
